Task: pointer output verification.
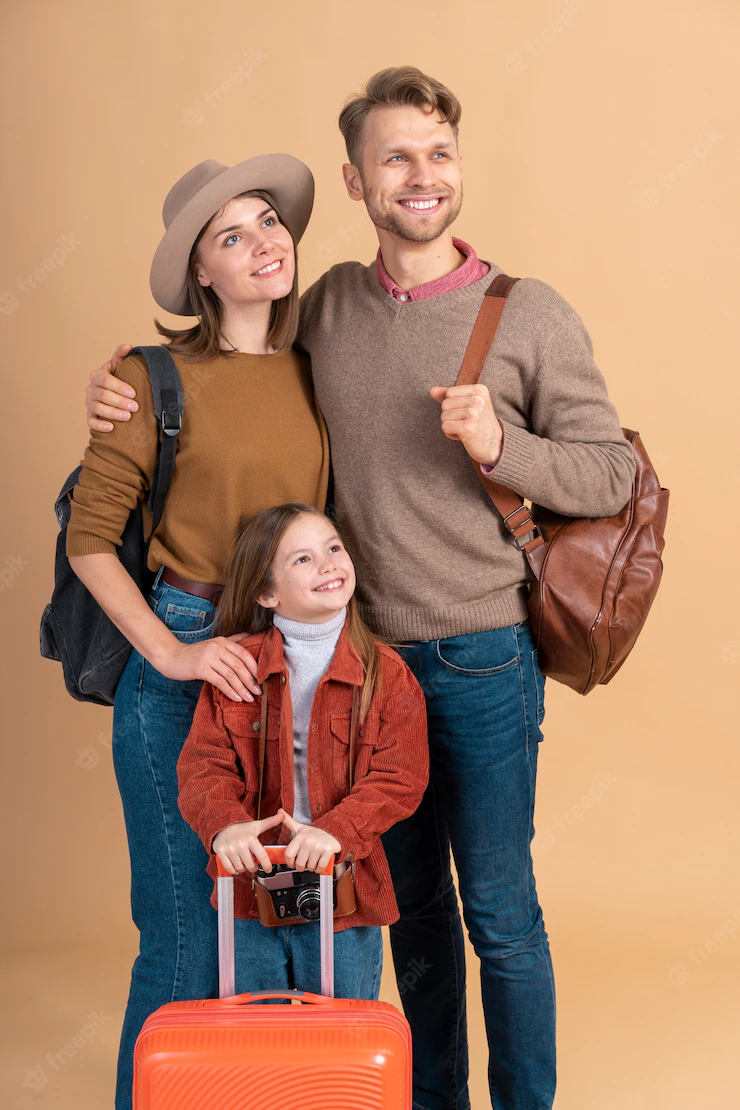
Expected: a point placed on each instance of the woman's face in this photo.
(245, 254)
(312, 573)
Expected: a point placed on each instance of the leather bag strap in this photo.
(515, 514)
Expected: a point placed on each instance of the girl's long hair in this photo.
(202, 342)
(249, 575)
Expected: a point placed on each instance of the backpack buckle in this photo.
(174, 428)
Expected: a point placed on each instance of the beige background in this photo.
(600, 144)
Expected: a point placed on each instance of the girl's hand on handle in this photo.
(239, 848)
(220, 661)
(311, 848)
(109, 398)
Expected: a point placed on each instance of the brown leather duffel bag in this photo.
(595, 578)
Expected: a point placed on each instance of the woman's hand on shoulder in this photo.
(109, 398)
(221, 661)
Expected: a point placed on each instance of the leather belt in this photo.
(200, 589)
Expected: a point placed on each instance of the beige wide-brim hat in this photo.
(193, 199)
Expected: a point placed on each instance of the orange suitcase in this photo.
(224, 1054)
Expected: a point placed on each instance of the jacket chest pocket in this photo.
(339, 724)
(243, 724)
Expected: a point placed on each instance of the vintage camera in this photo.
(295, 894)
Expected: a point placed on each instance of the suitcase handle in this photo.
(245, 999)
(276, 854)
(225, 886)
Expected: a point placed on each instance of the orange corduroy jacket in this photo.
(218, 767)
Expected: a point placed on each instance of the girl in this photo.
(251, 436)
(289, 585)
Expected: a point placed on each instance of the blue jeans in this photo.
(485, 703)
(287, 957)
(170, 890)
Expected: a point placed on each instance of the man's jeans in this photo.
(485, 703)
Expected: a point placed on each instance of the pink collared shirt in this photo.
(471, 270)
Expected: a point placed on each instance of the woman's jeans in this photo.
(485, 703)
(170, 890)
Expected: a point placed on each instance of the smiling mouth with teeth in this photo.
(271, 269)
(423, 204)
(335, 584)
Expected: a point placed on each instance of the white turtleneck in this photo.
(308, 650)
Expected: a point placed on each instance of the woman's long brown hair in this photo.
(249, 575)
(203, 341)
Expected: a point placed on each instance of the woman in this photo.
(228, 256)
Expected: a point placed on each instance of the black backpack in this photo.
(74, 629)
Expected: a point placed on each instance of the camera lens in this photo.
(308, 903)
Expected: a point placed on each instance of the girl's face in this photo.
(246, 254)
(312, 574)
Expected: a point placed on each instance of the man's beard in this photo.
(392, 220)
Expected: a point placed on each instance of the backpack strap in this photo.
(169, 406)
(516, 515)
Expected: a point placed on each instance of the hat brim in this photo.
(289, 182)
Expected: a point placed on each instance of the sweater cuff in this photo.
(85, 543)
(221, 819)
(513, 466)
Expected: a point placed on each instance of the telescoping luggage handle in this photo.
(226, 975)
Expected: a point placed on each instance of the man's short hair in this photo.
(392, 87)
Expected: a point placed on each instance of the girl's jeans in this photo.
(170, 889)
(287, 957)
(485, 703)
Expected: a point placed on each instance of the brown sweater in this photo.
(433, 558)
(251, 437)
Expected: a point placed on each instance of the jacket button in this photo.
(349, 857)
(278, 721)
(256, 726)
(282, 679)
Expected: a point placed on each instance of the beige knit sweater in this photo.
(432, 555)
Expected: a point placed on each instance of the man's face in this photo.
(411, 173)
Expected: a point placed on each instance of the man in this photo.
(438, 571)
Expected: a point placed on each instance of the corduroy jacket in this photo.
(218, 767)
